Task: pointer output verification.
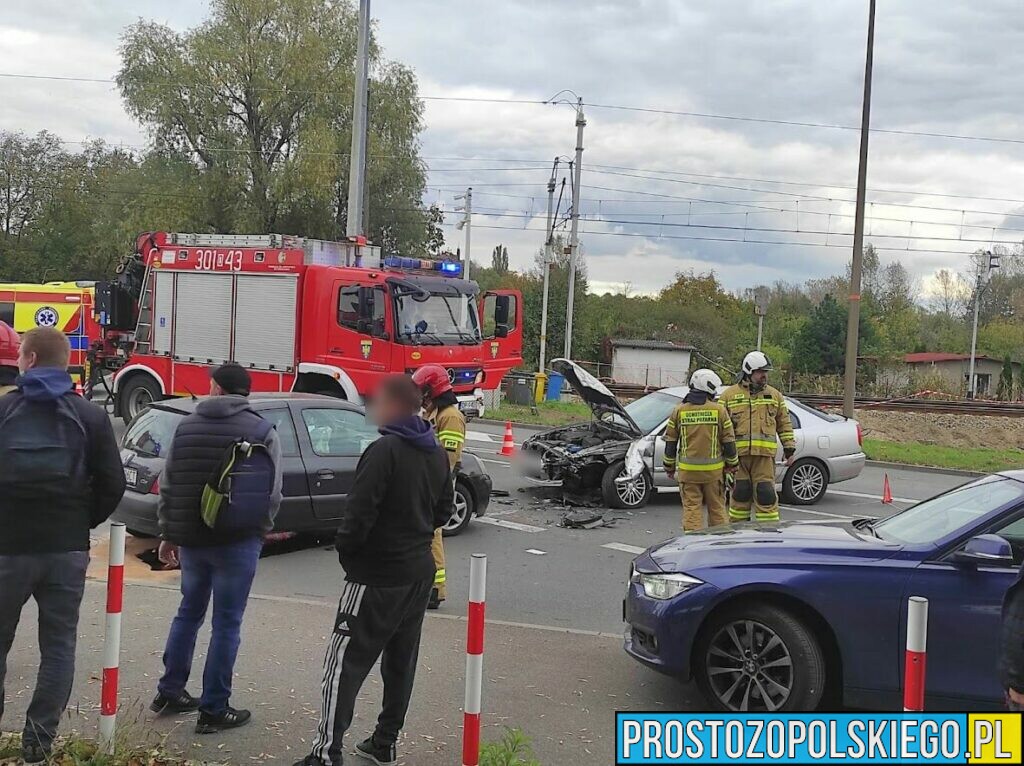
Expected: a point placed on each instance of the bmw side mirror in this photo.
(985, 550)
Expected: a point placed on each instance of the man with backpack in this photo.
(402, 493)
(60, 476)
(220, 491)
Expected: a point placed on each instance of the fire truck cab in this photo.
(300, 314)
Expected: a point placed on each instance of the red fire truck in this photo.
(301, 314)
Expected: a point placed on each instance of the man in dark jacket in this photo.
(402, 493)
(1011, 656)
(60, 476)
(218, 560)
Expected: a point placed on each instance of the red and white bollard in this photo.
(917, 639)
(112, 642)
(474, 660)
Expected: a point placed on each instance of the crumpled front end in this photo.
(575, 456)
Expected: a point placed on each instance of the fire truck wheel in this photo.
(136, 395)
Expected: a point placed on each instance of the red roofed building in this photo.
(954, 368)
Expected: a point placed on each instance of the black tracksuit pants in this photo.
(372, 622)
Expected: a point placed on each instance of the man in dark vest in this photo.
(218, 560)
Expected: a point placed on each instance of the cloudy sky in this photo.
(756, 201)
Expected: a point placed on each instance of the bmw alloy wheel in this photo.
(461, 509)
(631, 491)
(749, 667)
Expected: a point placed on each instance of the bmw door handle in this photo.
(325, 473)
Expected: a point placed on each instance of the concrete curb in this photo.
(923, 468)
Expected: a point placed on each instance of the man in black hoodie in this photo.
(60, 476)
(402, 493)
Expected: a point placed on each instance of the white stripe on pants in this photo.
(351, 598)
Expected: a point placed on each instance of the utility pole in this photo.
(760, 309)
(574, 239)
(548, 237)
(983, 272)
(357, 166)
(853, 320)
(467, 223)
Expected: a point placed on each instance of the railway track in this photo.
(906, 404)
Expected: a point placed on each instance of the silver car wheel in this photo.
(749, 667)
(461, 509)
(631, 491)
(808, 481)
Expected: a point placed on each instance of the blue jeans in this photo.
(226, 571)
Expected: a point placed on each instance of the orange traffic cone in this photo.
(508, 446)
(886, 491)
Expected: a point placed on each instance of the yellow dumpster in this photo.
(540, 383)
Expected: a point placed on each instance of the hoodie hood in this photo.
(223, 406)
(414, 430)
(42, 384)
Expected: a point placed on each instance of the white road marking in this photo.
(624, 548)
(536, 552)
(846, 517)
(481, 436)
(507, 524)
(848, 493)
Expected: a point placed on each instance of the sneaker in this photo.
(435, 600)
(382, 755)
(310, 760)
(168, 704)
(33, 752)
(211, 723)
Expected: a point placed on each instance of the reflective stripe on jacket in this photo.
(759, 420)
(699, 442)
(450, 425)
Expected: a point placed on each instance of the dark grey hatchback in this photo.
(321, 441)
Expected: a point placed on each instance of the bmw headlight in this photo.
(665, 586)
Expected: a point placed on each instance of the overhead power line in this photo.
(589, 105)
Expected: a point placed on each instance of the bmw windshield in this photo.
(650, 411)
(437, 320)
(935, 519)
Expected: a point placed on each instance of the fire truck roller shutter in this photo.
(202, 318)
(265, 321)
(161, 313)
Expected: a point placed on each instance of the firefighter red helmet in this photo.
(432, 380)
(9, 345)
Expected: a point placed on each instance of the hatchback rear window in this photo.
(151, 433)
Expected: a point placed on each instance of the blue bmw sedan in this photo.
(784, 616)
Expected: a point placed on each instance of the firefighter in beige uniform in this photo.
(442, 410)
(760, 419)
(700, 448)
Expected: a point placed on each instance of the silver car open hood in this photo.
(601, 401)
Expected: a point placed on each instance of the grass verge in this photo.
(982, 459)
(548, 413)
(77, 751)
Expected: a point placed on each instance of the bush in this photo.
(512, 750)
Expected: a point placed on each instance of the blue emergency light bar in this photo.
(447, 268)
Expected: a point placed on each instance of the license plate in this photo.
(471, 407)
(131, 475)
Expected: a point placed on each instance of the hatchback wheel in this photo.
(805, 482)
(465, 506)
(619, 491)
(758, 658)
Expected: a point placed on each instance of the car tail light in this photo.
(860, 435)
(154, 488)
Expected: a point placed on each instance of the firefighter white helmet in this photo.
(706, 381)
(755, 361)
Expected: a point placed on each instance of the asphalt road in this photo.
(553, 665)
(542, 574)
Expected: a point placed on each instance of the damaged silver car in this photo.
(585, 457)
(619, 452)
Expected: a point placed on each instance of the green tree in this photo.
(819, 346)
(499, 259)
(1004, 389)
(259, 98)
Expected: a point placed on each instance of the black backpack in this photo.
(237, 494)
(42, 444)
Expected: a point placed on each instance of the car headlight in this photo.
(665, 586)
